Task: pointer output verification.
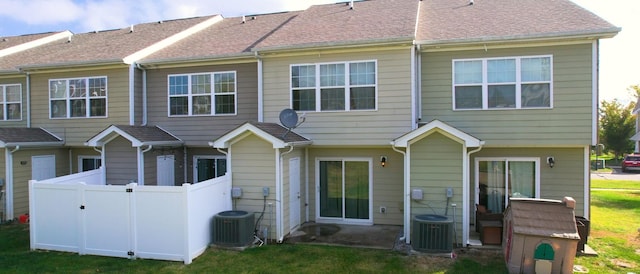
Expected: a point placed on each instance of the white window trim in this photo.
(190, 94)
(344, 220)
(87, 98)
(82, 157)
(485, 84)
(506, 159)
(347, 86)
(3, 89)
(210, 157)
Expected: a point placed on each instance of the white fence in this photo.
(76, 213)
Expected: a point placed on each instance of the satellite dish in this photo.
(289, 118)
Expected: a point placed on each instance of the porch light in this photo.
(383, 160)
(551, 161)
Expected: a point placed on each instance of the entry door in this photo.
(166, 170)
(43, 167)
(344, 190)
(294, 192)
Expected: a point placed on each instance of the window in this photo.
(86, 163)
(334, 86)
(498, 179)
(202, 94)
(208, 167)
(502, 83)
(78, 97)
(10, 102)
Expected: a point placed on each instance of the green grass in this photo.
(15, 257)
(615, 228)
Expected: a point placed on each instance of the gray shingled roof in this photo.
(547, 218)
(12, 41)
(336, 24)
(444, 21)
(95, 48)
(10, 136)
(280, 132)
(146, 134)
(231, 37)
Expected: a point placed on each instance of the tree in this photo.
(617, 125)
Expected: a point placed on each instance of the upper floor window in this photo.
(202, 94)
(78, 97)
(334, 86)
(10, 102)
(503, 83)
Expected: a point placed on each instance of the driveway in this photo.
(617, 174)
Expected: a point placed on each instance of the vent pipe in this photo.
(131, 29)
(244, 19)
(351, 5)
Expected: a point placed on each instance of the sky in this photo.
(619, 56)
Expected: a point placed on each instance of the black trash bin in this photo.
(583, 225)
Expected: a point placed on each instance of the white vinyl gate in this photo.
(153, 222)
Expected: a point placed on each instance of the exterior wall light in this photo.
(551, 161)
(383, 160)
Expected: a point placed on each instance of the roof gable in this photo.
(449, 21)
(137, 135)
(275, 134)
(28, 137)
(437, 126)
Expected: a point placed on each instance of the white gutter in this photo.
(260, 90)
(8, 208)
(132, 97)
(279, 193)
(141, 164)
(407, 207)
(28, 88)
(466, 191)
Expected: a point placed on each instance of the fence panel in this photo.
(107, 221)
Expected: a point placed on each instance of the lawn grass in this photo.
(614, 184)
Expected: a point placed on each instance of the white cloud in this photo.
(40, 12)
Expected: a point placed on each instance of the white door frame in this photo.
(344, 220)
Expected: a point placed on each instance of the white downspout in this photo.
(466, 192)
(144, 95)
(185, 166)
(28, 87)
(103, 165)
(260, 89)
(132, 97)
(279, 191)
(407, 207)
(8, 156)
(419, 82)
(306, 183)
(141, 164)
(414, 98)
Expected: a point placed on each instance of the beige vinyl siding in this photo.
(365, 127)
(22, 174)
(151, 165)
(121, 162)
(76, 131)
(388, 181)
(199, 130)
(566, 178)
(253, 163)
(22, 81)
(567, 123)
(138, 95)
(436, 164)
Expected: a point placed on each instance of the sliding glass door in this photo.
(344, 189)
(498, 179)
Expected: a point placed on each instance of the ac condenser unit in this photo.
(233, 228)
(432, 233)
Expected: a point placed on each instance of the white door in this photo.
(43, 167)
(166, 174)
(294, 192)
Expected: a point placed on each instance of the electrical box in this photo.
(265, 191)
(236, 192)
(449, 192)
(416, 194)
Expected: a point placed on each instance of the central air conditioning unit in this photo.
(432, 233)
(233, 228)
